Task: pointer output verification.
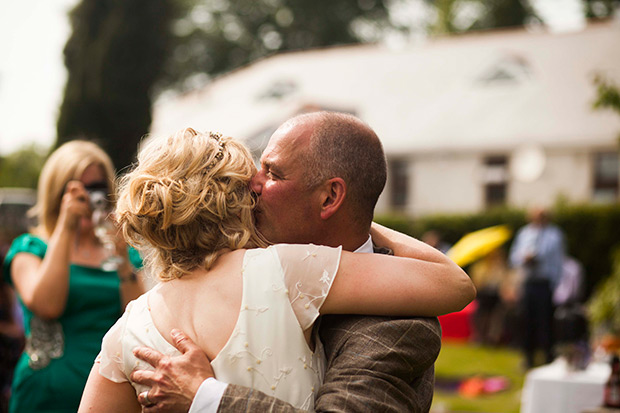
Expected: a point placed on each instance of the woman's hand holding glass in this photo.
(106, 231)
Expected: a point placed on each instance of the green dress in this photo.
(51, 373)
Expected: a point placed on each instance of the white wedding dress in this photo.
(284, 287)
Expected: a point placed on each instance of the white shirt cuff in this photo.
(208, 397)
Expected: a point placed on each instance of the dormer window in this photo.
(278, 90)
(508, 69)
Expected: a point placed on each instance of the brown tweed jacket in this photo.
(374, 364)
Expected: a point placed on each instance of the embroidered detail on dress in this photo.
(325, 278)
(302, 295)
(45, 342)
(277, 287)
(307, 364)
(310, 254)
(267, 352)
(308, 402)
(233, 357)
(285, 371)
(257, 310)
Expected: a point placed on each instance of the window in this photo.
(494, 179)
(506, 69)
(606, 167)
(399, 183)
(278, 90)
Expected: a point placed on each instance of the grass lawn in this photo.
(458, 361)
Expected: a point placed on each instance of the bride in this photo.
(250, 307)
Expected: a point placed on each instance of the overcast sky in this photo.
(32, 74)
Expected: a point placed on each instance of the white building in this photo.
(467, 122)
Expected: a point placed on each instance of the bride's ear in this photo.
(333, 194)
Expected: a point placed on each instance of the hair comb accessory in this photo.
(215, 135)
(220, 153)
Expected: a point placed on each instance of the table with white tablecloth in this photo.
(554, 388)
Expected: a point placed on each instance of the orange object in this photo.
(610, 343)
(472, 387)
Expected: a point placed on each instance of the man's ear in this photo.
(332, 197)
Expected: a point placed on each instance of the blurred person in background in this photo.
(11, 320)
(538, 252)
(571, 288)
(11, 341)
(490, 276)
(68, 300)
(570, 319)
(434, 239)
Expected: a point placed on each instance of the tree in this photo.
(465, 15)
(114, 56)
(506, 13)
(600, 8)
(21, 168)
(215, 36)
(607, 95)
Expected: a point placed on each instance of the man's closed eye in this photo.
(273, 175)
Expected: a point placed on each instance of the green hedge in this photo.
(603, 308)
(592, 231)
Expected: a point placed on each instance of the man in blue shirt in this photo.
(538, 251)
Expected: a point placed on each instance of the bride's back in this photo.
(187, 207)
(203, 304)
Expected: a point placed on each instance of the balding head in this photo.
(343, 146)
(539, 216)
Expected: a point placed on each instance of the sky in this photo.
(32, 73)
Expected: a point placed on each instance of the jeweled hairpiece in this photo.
(220, 153)
(215, 135)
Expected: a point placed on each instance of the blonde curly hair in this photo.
(187, 199)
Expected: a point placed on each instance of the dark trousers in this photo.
(538, 319)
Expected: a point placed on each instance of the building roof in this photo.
(492, 91)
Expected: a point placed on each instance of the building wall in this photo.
(445, 184)
(567, 173)
(455, 182)
(439, 184)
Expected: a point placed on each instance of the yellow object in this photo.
(477, 244)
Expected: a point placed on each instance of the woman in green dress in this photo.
(68, 299)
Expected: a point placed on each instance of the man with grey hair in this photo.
(321, 175)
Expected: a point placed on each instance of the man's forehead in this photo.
(286, 128)
(287, 140)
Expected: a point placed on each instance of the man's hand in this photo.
(176, 380)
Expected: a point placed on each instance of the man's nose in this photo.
(256, 183)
